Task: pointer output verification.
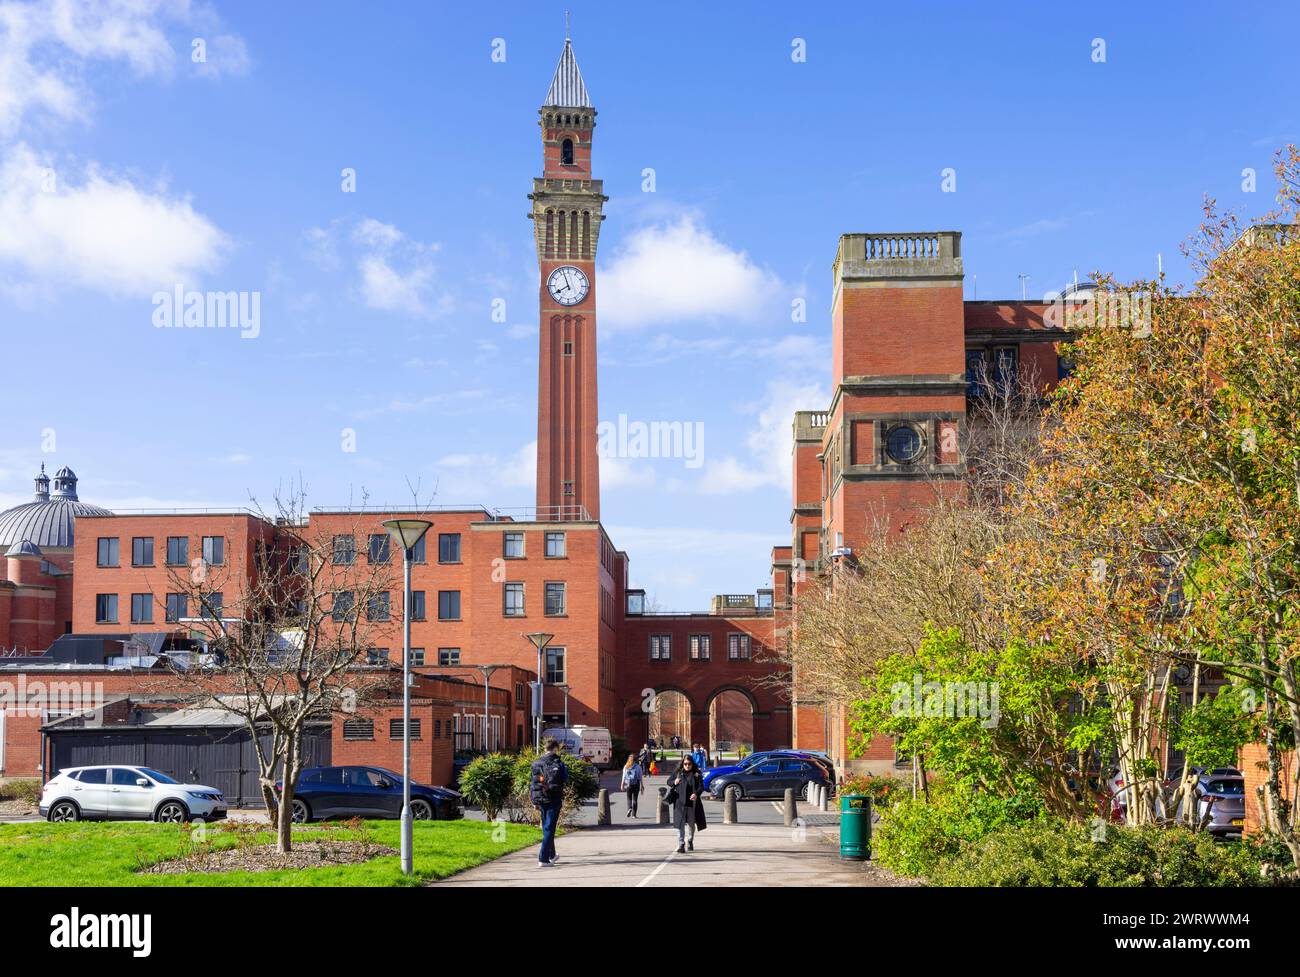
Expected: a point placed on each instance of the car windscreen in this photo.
(157, 776)
(1228, 788)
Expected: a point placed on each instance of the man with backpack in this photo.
(546, 790)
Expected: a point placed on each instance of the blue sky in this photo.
(126, 168)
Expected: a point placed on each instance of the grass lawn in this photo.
(90, 853)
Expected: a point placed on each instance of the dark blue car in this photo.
(368, 792)
(821, 759)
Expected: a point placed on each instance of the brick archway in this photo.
(726, 726)
(637, 718)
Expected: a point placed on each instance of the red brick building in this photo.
(906, 350)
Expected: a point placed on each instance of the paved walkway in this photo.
(642, 853)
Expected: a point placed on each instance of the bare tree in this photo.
(288, 637)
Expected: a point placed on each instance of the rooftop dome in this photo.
(47, 523)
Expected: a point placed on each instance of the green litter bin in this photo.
(855, 827)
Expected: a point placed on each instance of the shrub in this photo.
(881, 790)
(915, 836)
(583, 785)
(489, 782)
(21, 790)
(1052, 852)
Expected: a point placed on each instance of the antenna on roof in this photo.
(1160, 265)
(975, 286)
(566, 25)
(1023, 292)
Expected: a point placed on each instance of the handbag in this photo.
(670, 798)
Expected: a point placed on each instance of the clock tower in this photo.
(566, 216)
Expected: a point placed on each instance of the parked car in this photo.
(368, 792)
(1223, 798)
(122, 793)
(771, 777)
(823, 761)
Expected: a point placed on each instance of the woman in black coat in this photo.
(686, 793)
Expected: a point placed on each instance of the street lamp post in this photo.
(540, 640)
(486, 671)
(407, 533)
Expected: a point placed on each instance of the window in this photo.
(514, 600)
(358, 729)
(568, 347)
(142, 551)
(700, 647)
(417, 657)
(514, 546)
(345, 549)
(378, 549)
(178, 551)
(903, 444)
(661, 647)
(566, 152)
(417, 605)
(554, 599)
(377, 607)
(142, 608)
(448, 657)
(976, 373)
(636, 602)
(299, 559)
(99, 776)
(395, 729)
(106, 608)
(554, 666)
(344, 603)
(567, 487)
(555, 547)
(212, 604)
(214, 550)
(737, 646)
(178, 606)
(449, 547)
(449, 605)
(418, 551)
(376, 656)
(107, 555)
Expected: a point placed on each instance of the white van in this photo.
(592, 743)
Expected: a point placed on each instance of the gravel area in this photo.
(264, 858)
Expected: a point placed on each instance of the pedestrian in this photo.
(546, 790)
(644, 758)
(651, 743)
(700, 756)
(632, 783)
(686, 795)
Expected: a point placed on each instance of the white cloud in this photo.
(45, 47)
(616, 473)
(395, 273)
(770, 442)
(677, 271)
(486, 478)
(102, 231)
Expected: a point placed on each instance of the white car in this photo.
(122, 793)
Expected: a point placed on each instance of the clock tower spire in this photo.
(566, 214)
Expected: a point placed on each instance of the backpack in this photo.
(547, 780)
(632, 775)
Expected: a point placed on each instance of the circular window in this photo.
(903, 444)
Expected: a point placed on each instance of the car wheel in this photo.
(806, 790)
(740, 791)
(300, 813)
(64, 811)
(421, 810)
(172, 812)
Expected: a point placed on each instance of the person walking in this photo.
(686, 795)
(547, 778)
(632, 784)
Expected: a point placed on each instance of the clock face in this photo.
(568, 285)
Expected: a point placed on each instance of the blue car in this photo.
(367, 792)
(820, 758)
